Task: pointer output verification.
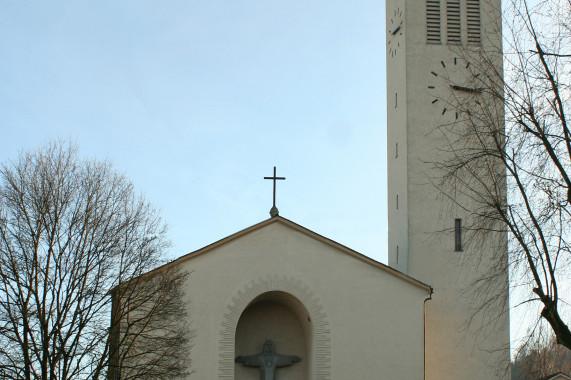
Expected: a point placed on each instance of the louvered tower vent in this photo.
(433, 22)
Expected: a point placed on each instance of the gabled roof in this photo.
(557, 376)
(311, 234)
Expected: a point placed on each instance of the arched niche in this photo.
(281, 318)
(299, 300)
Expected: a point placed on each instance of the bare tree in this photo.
(528, 157)
(75, 240)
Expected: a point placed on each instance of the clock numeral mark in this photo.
(442, 63)
(456, 115)
(397, 150)
(434, 101)
(433, 73)
(396, 100)
(443, 110)
(467, 64)
(431, 87)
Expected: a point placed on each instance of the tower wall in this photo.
(421, 221)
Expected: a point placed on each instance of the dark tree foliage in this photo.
(539, 358)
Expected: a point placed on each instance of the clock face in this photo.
(395, 30)
(455, 88)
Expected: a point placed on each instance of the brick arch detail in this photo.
(321, 334)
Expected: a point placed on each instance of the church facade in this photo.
(344, 315)
(278, 301)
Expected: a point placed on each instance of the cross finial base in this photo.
(274, 212)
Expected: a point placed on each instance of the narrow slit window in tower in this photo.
(433, 22)
(458, 235)
(453, 28)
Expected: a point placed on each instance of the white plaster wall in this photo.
(375, 319)
(453, 351)
(397, 143)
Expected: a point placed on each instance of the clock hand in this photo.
(397, 29)
(466, 89)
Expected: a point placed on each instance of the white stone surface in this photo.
(365, 320)
(453, 350)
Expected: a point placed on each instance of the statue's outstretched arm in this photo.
(249, 361)
(286, 360)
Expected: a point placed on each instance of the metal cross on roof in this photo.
(274, 211)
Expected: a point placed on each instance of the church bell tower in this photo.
(425, 39)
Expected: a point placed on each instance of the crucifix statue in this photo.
(268, 361)
(274, 211)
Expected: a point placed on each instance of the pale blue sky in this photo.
(196, 101)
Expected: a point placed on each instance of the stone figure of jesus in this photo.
(268, 361)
